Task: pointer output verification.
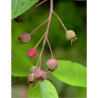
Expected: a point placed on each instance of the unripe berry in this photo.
(52, 64)
(70, 35)
(31, 53)
(24, 38)
(40, 75)
(31, 79)
(34, 69)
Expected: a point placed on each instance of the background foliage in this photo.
(73, 15)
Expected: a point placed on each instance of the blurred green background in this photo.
(73, 15)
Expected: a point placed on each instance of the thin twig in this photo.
(39, 41)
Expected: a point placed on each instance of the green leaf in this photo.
(20, 6)
(71, 73)
(42, 90)
(21, 67)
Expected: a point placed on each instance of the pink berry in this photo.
(31, 79)
(31, 76)
(52, 63)
(40, 75)
(31, 53)
(24, 38)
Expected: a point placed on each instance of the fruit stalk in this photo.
(50, 48)
(39, 41)
(60, 21)
(38, 26)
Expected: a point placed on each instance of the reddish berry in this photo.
(24, 38)
(52, 64)
(31, 53)
(34, 69)
(40, 75)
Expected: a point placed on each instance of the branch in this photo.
(51, 10)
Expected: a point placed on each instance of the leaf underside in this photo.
(20, 6)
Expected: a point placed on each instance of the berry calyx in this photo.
(31, 79)
(52, 65)
(24, 38)
(20, 18)
(40, 75)
(70, 35)
(31, 53)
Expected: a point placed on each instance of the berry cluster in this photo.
(38, 75)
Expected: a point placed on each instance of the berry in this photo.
(31, 79)
(40, 75)
(31, 53)
(24, 38)
(31, 76)
(70, 35)
(34, 69)
(52, 64)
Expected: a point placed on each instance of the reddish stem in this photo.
(51, 10)
(50, 48)
(60, 21)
